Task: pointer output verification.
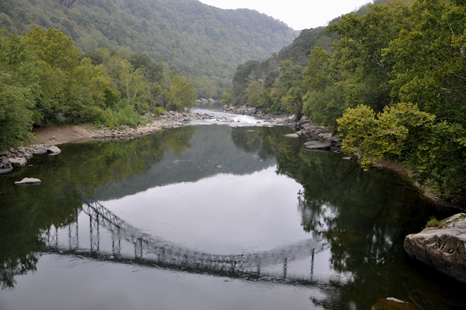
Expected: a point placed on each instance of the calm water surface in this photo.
(211, 217)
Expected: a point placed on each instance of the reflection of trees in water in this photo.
(365, 217)
(26, 212)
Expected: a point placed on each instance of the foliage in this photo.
(45, 80)
(205, 43)
(434, 150)
(19, 87)
(180, 96)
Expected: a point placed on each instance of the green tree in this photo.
(59, 57)
(434, 151)
(181, 95)
(89, 92)
(431, 64)
(19, 87)
(360, 51)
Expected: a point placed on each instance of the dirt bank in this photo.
(62, 134)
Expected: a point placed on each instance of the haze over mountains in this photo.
(203, 42)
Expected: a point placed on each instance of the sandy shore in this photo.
(62, 134)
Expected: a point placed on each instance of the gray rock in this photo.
(5, 170)
(26, 154)
(443, 249)
(28, 181)
(317, 145)
(325, 135)
(18, 162)
(39, 149)
(53, 150)
(292, 135)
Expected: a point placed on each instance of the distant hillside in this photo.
(203, 42)
(266, 74)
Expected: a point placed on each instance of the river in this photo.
(212, 216)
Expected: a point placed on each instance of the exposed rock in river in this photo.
(442, 248)
(53, 150)
(28, 181)
(317, 145)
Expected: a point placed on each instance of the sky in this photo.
(298, 14)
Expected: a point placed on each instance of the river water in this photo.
(211, 216)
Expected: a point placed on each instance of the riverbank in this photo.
(49, 136)
(55, 135)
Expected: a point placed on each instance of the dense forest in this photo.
(204, 43)
(44, 79)
(393, 84)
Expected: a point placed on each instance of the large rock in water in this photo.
(442, 248)
(18, 162)
(53, 150)
(28, 181)
(317, 145)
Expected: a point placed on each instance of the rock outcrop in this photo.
(442, 248)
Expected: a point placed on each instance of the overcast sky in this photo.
(298, 14)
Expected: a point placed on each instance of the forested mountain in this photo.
(268, 84)
(203, 42)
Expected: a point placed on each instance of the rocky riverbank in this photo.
(168, 120)
(17, 158)
(48, 137)
(329, 140)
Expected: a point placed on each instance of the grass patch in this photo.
(433, 222)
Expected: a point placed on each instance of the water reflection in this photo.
(109, 238)
(362, 216)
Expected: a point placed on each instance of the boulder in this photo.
(442, 248)
(304, 119)
(18, 162)
(53, 150)
(292, 135)
(28, 181)
(38, 149)
(317, 145)
(325, 135)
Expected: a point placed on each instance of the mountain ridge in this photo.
(204, 42)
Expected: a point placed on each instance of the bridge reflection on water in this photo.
(130, 245)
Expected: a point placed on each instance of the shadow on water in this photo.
(363, 216)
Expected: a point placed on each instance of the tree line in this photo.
(45, 79)
(205, 43)
(393, 85)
